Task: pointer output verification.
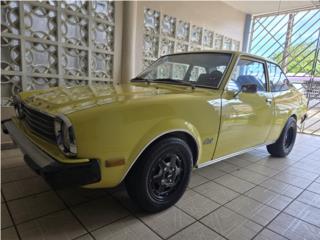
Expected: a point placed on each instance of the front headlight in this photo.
(65, 136)
(17, 106)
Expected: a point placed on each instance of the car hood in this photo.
(70, 99)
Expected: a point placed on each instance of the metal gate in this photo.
(293, 40)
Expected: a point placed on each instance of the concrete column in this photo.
(129, 36)
(247, 33)
(118, 41)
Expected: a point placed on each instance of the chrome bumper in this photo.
(57, 174)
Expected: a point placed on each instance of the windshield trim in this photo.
(194, 84)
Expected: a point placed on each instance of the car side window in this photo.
(278, 80)
(247, 72)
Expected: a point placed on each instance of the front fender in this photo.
(121, 131)
(112, 176)
(161, 129)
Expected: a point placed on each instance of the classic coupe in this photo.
(185, 111)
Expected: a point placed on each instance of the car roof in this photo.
(237, 53)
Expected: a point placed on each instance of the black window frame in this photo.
(253, 59)
(287, 80)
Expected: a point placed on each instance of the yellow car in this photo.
(185, 111)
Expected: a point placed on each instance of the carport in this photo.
(47, 44)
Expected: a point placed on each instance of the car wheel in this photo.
(283, 146)
(161, 175)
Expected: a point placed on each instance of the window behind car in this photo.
(278, 80)
(247, 72)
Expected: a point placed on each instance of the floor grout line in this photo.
(263, 227)
(72, 213)
(38, 217)
(282, 211)
(82, 235)
(134, 215)
(223, 205)
(191, 189)
(27, 196)
(20, 179)
(11, 217)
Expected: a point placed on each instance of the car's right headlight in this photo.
(65, 136)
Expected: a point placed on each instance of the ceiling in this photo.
(261, 7)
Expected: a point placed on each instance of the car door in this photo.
(284, 97)
(246, 118)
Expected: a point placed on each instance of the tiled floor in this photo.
(251, 196)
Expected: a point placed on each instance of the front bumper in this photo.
(58, 175)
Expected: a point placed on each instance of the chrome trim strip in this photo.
(155, 138)
(37, 109)
(229, 155)
(28, 112)
(72, 151)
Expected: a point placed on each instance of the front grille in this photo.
(39, 123)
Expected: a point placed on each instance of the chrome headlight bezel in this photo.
(65, 136)
(18, 107)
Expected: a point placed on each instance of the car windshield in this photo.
(196, 69)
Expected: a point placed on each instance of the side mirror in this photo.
(247, 88)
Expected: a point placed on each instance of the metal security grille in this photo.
(54, 43)
(293, 40)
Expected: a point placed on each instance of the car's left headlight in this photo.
(65, 135)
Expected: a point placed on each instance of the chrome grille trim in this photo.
(39, 123)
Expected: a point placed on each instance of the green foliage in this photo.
(300, 59)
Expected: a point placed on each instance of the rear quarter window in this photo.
(278, 80)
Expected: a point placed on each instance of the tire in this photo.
(161, 175)
(283, 146)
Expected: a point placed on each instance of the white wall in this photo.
(216, 16)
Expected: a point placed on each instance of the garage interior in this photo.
(251, 196)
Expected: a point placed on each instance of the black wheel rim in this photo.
(288, 140)
(165, 176)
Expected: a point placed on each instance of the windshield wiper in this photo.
(139, 79)
(170, 80)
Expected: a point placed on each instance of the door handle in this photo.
(269, 100)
